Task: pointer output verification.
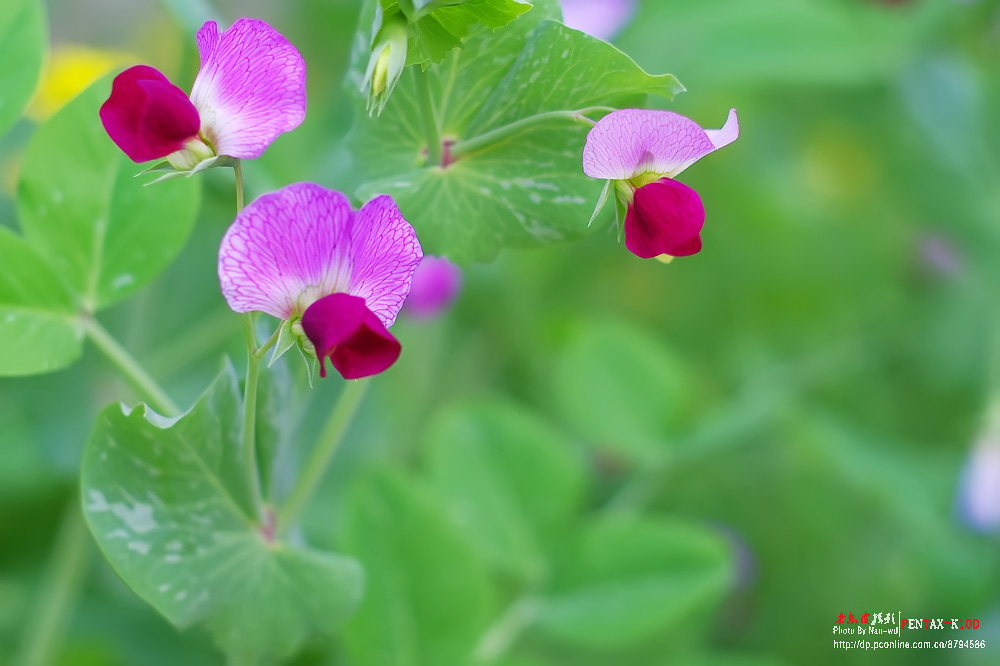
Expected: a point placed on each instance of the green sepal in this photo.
(286, 338)
(621, 211)
(312, 363)
(162, 165)
(210, 163)
(603, 199)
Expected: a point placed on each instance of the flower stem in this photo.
(238, 171)
(500, 134)
(326, 446)
(57, 594)
(250, 418)
(250, 467)
(129, 368)
(434, 149)
(503, 633)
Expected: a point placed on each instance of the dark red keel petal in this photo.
(147, 116)
(342, 328)
(665, 217)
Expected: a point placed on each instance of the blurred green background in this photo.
(809, 387)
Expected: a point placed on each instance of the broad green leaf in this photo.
(167, 503)
(629, 580)
(39, 331)
(102, 232)
(23, 36)
(510, 481)
(525, 186)
(438, 26)
(619, 388)
(428, 597)
(561, 68)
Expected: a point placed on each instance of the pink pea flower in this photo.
(435, 286)
(641, 152)
(251, 87)
(600, 18)
(336, 276)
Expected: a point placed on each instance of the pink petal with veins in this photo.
(286, 250)
(384, 254)
(147, 116)
(631, 142)
(251, 87)
(665, 217)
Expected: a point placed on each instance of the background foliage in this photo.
(594, 459)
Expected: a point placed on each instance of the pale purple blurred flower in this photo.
(979, 490)
(940, 255)
(303, 255)
(435, 286)
(251, 87)
(601, 18)
(641, 152)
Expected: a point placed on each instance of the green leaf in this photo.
(561, 68)
(509, 481)
(517, 92)
(39, 331)
(438, 26)
(102, 232)
(167, 503)
(629, 580)
(429, 598)
(23, 36)
(619, 388)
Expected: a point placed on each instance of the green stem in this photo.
(250, 418)
(434, 148)
(250, 467)
(59, 590)
(238, 171)
(130, 369)
(270, 343)
(503, 633)
(323, 452)
(518, 126)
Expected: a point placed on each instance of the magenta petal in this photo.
(435, 285)
(342, 328)
(665, 217)
(251, 87)
(147, 116)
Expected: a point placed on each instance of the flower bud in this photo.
(387, 61)
(194, 153)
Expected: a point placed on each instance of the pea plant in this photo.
(479, 125)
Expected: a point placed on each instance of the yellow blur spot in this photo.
(69, 71)
(664, 258)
